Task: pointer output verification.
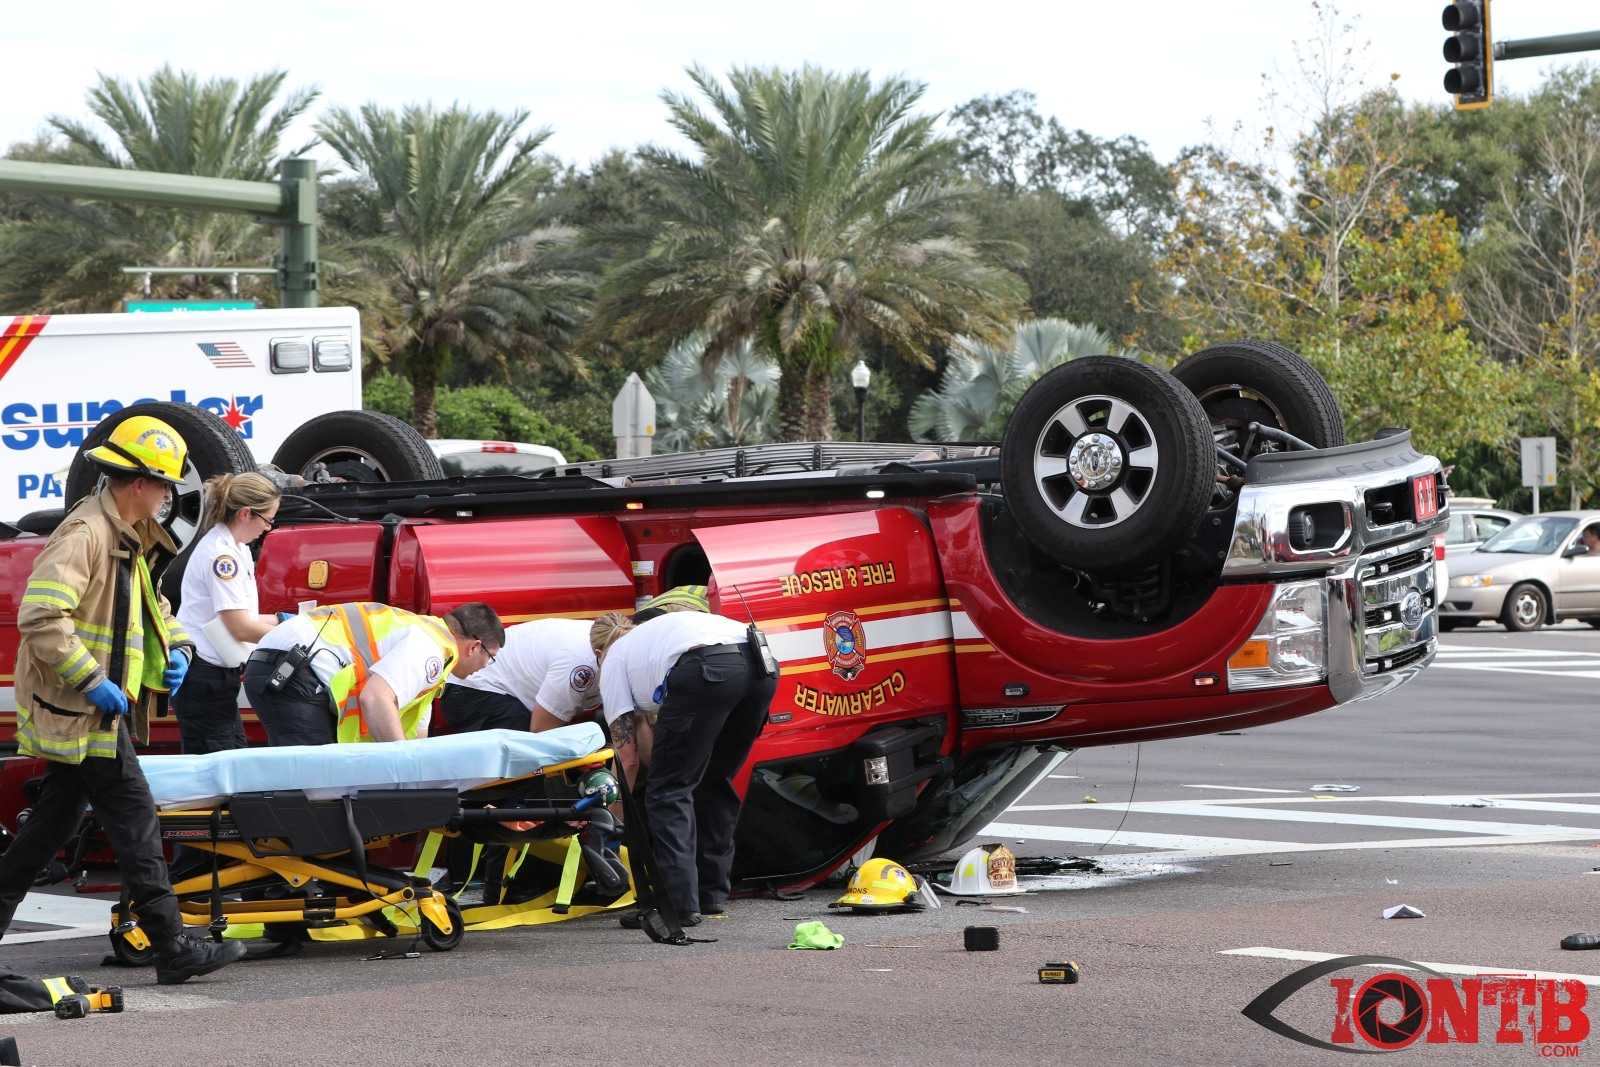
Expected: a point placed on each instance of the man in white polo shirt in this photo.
(545, 676)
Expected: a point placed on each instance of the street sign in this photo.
(633, 419)
(1538, 465)
(190, 305)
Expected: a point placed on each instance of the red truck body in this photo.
(932, 670)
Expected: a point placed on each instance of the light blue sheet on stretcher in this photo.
(326, 772)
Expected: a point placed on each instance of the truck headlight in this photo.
(1471, 581)
(1289, 646)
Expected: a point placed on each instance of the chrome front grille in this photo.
(1399, 608)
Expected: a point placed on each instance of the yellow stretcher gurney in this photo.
(291, 860)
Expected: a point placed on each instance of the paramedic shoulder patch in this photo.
(432, 669)
(582, 678)
(225, 567)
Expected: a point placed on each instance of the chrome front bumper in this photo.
(1382, 620)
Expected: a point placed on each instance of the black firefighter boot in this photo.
(185, 957)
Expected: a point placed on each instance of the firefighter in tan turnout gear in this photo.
(98, 644)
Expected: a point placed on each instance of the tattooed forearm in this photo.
(623, 730)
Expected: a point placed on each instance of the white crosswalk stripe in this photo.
(1173, 842)
(1499, 660)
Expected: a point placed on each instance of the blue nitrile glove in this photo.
(108, 697)
(285, 616)
(177, 667)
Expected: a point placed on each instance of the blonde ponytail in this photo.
(226, 494)
(606, 629)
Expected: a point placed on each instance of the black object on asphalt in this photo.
(1578, 942)
(981, 938)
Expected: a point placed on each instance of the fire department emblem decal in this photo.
(846, 642)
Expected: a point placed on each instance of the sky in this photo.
(594, 71)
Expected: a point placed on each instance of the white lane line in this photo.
(1490, 650)
(1344, 818)
(1237, 789)
(1443, 968)
(75, 917)
(1129, 839)
(1441, 799)
(1179, 855)
(1495, 669)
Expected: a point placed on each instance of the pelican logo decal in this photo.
(1390, 1011)
(225, 568)
(846, 642)
(582, 678)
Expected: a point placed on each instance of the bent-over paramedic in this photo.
(545, 676)
(364, 671)
(703, 681)
(221, 611)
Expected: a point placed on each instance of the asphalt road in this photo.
(1478, 803)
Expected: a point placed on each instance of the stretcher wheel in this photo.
(129, 956)
(438, 940)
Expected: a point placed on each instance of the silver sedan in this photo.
(1540, 569)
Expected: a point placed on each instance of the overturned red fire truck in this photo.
(1146, 555)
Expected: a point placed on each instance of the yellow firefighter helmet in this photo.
(143, 446)
(880, 884)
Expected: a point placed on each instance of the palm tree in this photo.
(817, 210)
(982, 382)
(732, 402)
(66, 255)
(445, 209)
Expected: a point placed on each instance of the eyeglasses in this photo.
(486, 651)
(270, 520)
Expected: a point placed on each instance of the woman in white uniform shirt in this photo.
(220, 583)
(544, 677)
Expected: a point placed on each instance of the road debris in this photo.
(1402, 911)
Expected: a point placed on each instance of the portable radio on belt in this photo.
(758, 641)
(298, 656)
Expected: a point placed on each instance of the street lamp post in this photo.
(861, 377)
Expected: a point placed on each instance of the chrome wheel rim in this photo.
(332, 455)
(1095, 461)
(1527, 609)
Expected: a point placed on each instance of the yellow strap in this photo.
(57, 988)
(569, 875)
(430, 850)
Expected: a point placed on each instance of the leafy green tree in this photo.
(445, 208)
(982, 383)
(732, 402)
(61, 255)
(477, 412)
(816, 212)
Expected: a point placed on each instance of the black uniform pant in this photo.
(207, 707)
(468, 710)
(716, 704)
(297, 714)
(126, 812)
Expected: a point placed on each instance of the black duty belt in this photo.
(712, 650)
(267, 655)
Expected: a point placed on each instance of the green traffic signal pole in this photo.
(1558, 45)
(290, 203)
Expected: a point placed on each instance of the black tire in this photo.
(360, 446)
(214, 448)
(129, 956)
(436, 939)
(1526, 608)
(41, 522)
(1133, 481)
(1240, 382)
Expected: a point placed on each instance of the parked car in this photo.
(1473, 520)
(1535, 571)
(490, 459)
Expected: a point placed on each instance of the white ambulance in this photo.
(264, 372)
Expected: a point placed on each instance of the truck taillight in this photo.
(1438, 547)
(498, 446)
(1289, 646)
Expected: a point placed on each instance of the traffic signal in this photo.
(1469, 48)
